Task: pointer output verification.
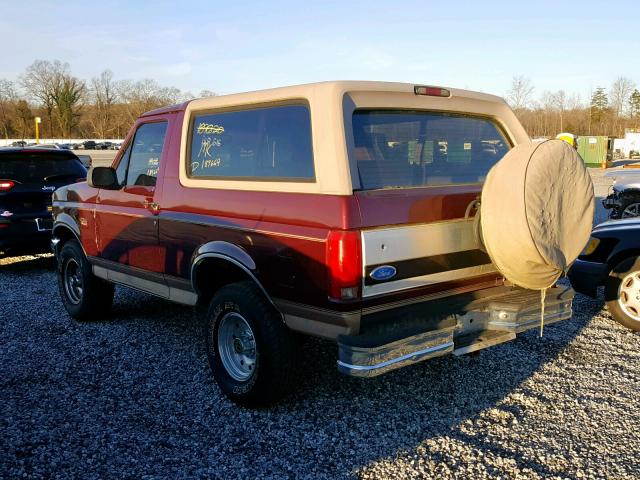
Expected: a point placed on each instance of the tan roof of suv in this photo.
(331, 105)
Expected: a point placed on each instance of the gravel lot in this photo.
(133, 397)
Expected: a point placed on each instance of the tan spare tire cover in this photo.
(536, 212)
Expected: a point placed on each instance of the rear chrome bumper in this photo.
(373, 361)
(480, 324)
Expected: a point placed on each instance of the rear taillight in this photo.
(431, 91)
(344, 264)
(6, 185)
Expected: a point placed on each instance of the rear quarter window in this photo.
(271, 143)
(395, 149)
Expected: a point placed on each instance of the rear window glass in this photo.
(395, 149)
(38, 168)
(264, 143)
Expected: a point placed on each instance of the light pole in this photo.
(38, 121)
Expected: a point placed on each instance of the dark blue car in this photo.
(612, 259)
(28, 178)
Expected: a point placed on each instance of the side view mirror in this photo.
(103, 177)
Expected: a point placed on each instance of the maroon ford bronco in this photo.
(341, 210)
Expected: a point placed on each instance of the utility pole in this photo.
(38, 121)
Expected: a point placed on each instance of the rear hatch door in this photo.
(33, 177)
(420, 175)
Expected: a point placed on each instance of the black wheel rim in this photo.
(72, 277)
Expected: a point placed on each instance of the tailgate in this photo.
(437, 244)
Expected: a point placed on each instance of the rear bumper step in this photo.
(472, 342)
(480, 324)
(376, 360)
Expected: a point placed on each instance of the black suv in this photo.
(28, 178)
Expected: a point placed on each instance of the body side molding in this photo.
(148, 282)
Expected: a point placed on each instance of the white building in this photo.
(630, 143)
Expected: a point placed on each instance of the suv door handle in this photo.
(151, 205)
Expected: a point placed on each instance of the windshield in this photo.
(399, 148)
(38, 168)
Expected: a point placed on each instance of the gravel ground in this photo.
(133, 397)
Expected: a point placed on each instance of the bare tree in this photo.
(519, 96)
(103, 93)
(559, 100)
(40, 80)
(145, 95)
(207, 93)
(619, 94)
(8, 96)
(548, 113)
(574, 102)
(25, 118)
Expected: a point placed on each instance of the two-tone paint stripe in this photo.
(422, 255)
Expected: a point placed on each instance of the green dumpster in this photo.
(595, 150)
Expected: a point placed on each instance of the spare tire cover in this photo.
(536, 212)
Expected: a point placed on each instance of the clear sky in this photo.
(245, 45)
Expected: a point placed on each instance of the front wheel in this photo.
(250, 350)
(84, 295)
(622, 293)
(629, 206)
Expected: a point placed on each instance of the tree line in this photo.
(70, 107)
(608, 111)
(104, 107)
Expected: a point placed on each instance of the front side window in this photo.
(272, 143)
(395, 148)
(146, 151)
(121, 170)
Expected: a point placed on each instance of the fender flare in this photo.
(65, 220)
(231, 253)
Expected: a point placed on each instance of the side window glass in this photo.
(272, 143)
(121, 170)
(146, 152)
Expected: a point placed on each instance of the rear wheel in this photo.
(250, 350)
(622, 293)
(84, 295)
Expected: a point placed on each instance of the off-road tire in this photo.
(276, 348)
(612, 292)
(96, 296)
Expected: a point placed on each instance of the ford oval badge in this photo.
(382, 273)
